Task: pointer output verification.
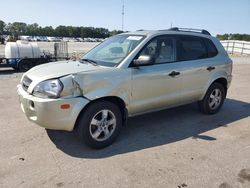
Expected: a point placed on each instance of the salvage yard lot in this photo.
(177, 147)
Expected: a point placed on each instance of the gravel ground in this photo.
(178, 147)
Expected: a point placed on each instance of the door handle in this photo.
(210, 68)
(174, 73)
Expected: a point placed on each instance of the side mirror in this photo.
(143, 60)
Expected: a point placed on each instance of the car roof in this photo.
(166, 32)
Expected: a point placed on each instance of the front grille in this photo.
(26, 83)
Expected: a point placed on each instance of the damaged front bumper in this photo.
(48, 113)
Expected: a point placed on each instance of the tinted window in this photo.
(211, 49)
(191, 48)
(162, 49)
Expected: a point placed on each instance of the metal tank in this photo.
(22, 49)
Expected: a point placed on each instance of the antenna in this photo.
(123, 15)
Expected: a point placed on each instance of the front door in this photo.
(156, 86)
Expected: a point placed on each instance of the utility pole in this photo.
(123, 15)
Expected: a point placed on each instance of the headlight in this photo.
(48, 89)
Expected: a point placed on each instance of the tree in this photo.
(47, 31)
(236, 36)
(2, 27)
(33, 29)
(17, 28)
(61, 31)
(115, 32)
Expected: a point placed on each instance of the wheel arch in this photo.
(221, 79)
(114, 99)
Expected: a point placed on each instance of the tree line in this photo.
(16, 29)
(236, 36)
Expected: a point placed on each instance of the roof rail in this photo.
(202, 31)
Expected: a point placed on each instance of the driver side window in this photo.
(161, 49)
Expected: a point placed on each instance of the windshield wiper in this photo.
(90, 61)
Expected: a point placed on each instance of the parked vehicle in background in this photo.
(53, 39)
(89, 40)
(26, 38)
(39, 39)
(72, 39)
(79, 39)
(65, 39)
(126, 75)
(99, 40)
(43, 39)
(36, 38)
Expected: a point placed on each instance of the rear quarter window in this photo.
(191, 48)
(211, 49)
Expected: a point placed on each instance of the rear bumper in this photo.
(47, 113)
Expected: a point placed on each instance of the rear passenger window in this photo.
(191, 48)
(211, 49)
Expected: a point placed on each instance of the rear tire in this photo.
(213, 100)
(24, 65)
(100, 124)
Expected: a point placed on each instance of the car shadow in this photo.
(156, 129)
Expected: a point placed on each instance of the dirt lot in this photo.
(173, 148)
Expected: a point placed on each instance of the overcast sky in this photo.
(217, 16)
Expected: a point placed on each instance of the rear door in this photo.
(195, 55)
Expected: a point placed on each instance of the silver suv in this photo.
(126, 75)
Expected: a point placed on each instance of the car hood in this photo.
(59, 69)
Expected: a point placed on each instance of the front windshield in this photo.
(113, 50)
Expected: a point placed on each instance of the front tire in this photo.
(214, 99)
(100, 124)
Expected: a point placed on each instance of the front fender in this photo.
(108, 83)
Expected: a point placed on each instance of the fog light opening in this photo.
(32, 104)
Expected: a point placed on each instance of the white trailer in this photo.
(23, 55)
